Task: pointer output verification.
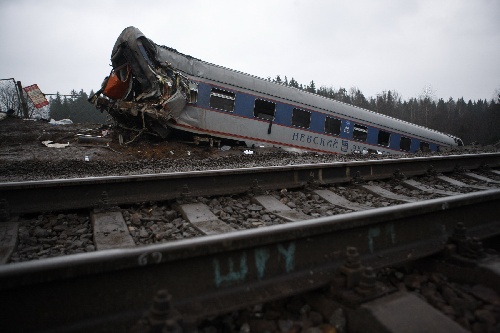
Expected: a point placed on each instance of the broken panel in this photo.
(405, 144)
(384, 138)
(222, 100)
(193, 93)
(143, 93)
(264, 109)
(360, 132)
(424, 147)
(301, 118)
(332, 125)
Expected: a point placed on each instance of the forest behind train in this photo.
(475, 122)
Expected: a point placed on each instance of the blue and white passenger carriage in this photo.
(156, 88)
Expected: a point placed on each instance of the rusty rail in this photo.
(109, 290)
(53, 195)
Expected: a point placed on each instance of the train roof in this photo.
(225, 76)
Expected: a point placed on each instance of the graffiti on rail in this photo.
(374, 233)
(235, 269)
(149, 258)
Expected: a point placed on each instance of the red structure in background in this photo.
(36, 96)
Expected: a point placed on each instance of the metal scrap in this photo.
(146, 101)
(51, 144)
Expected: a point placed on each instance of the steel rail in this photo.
(109, 290)
(66, 194)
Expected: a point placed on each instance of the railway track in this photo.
(230, 268)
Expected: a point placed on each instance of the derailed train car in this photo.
(157, 89)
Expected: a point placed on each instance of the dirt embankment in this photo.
(22, 140)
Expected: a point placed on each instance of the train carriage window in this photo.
(301, 118)
(384, 138)
(405, 144)
(360, 132)
(264, 109)
(222, 100)
(193, 93)
(424, 147)
(332, 125)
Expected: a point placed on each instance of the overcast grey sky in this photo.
(452, 46)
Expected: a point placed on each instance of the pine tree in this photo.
(55, 104)
(342, 96)
(76, 108)
(357, 98)
(311, 87)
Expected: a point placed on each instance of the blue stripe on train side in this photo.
(244, 105)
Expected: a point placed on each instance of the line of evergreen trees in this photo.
(472, 121)
(75, 107)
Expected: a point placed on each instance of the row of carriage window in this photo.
(225, 100)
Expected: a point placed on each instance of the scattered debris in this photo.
(60, 122)
(92, 139)
(51, 144)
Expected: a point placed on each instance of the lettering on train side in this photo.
(358, 148)
(236, 268)
(316, 140)
(345, 146)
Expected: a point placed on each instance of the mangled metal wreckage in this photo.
(144, 92)
(156, 89)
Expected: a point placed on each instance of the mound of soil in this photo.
(22, 140)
